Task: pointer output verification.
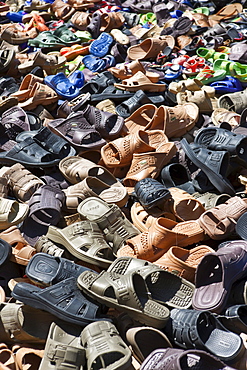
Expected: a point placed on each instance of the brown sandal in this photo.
(81, 20)
(50, 63)
(26, 86)
(40, 94)
(184, 206)
(140, 119)
(183, 262)
(120, 152)
(128, 70)
(110, 21)
(148, 48)
(15, 36)
(174, 121)
(21, 250)
(164, 233)
(140, 82)
(62, 10)
(82, 4)
(28, 358)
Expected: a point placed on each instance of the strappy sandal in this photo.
(116, 354)
(77, 131)
(107, 124)
(85, 241)
(136, 292)
(128, 70)
(164, 233)
(112, 222)
(14, 121)
(62, 10)
(140, 81)
(81, 20)
(120, 151)
(21, 250)
(40, 94)
(174, 121)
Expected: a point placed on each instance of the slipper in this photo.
(140, 82)
(176, 175)
(227, 12)
(77, 79)
(60, 300)
(142, 219)
(71, 52)
(80, 20)
(129, 70)
(119, 36)
(62, 85)
(14, 121)
(27, 357)
(100, 47)
(62, 10)
(39, 94)
(152, 244)
(12, 213)
(65, 35)
(234, 102)
(47, 39)
(151, 193)
(207, 75)
(115, 355)
(94, 64)
(215, 275)
(148, 48)
(228, 85)
(136, 302)
(105, 215)
(239, 71)
(209, 334)
(173, 72)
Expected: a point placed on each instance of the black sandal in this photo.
(151, 193)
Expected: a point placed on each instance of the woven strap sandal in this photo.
(180, 291)
(219, 222)
(105, 347)
(94, 187)
(21, 250)
(151, 193)
(120, 151)
(22, 182)
(149, 164)
(164, 233)
(112, 222)
(11, 213)
(63, 348)
(201, 329)
(183, 262)
(85, 241)
(174, 121)
(184, 206)
(14, 121)
(129, 294)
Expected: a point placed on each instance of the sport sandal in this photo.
(111, 221)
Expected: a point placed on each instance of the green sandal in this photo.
(84, 36)
(207, 75)
(46, 39)
(66, 36)
(225, 65)
(239, 71)
(202, 10)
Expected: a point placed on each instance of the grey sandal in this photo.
(112, 222)
(210, 200)
(105, 349)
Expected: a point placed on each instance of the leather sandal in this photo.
(164, 233)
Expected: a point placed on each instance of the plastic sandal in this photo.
(140, 81)
(101, 45)
(65, 35)
(215, 275)
(162, 234)
(141, 218)
(62, 10)
(228, 85)
(140, 118)
(128, 70)
(227, 12)
(184, 206)
(110, 220)
(80, 20)
(207, 75)
(40, 94)
(234, 102)
(93, 63)
(173, 72)
(12, 213)
(181, 359)
(46, 39)
(148, 48)
(211, 200)
(176, 175)
(62, 85)
(112, 351)
(84, 36)
(96, 287)
(26, 357)
(193, 65)
(234, 318)
(60, 300)
(151, 193)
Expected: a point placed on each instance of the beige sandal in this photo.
(184, 206)
(148, 48)
(140, 119)
(128, 70)
(200, 98)
(164, 233)
(62, 10)
(120, 37)
(40, 94)
(26, 86)
(140, 82)
(81, 20)
(220, 115)
(120, 152)
(11, 213)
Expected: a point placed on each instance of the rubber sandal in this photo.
(62, 85)
(112, 93)
(140, 118)
(5, 253)
(110, 220)
(148, 48)
(176, 175)
(46, 39)
(13, 35)
(77, 131)
(12, 213)
(100, 47)
(59, 269)
(107, 124)
(234, 102)
(61, 304)
(184, 206)
(61, 10)
(120, 151)
(80, 20)
(207, 75)
(96, 287)
(14, 121)
(116, 354)
(65, 35)
(151, 193)
(126, 108)
(182, 359)
(203, 159)
(215, 275)
(63, 348)
(233, 143)
(227, 12)
(128, 70)
(234, 318)
(110, 21)
(140, 81)
(219, 222)
(200, 98)
(144, 340)
(40, 94)
(26, 357)
(199, 322)
(94, 64)
(174, 121)
(228, 85)
(182, 262)
(211, 200)
(152, 244)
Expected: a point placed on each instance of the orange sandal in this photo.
(128, 70)
(140, 82)
(71, 52)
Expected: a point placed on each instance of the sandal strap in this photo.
(45, 245)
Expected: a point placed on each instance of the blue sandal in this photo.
(228, 85)
(62, 85)
(100, 46)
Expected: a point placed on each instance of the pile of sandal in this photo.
(123, 185)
